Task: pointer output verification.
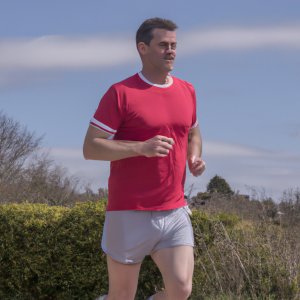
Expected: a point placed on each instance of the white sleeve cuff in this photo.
(195, 125)
(102, 126)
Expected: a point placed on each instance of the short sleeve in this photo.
(194, 122)
(108, 116)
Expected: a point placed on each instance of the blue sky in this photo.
(58, 58)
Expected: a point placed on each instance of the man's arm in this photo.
(97, 146)
(194, 143)
(195, 163)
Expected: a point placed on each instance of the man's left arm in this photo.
(195, 163)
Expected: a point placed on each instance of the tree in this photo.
(28, 173)
(270, 207)
(219, 185)
(16, 145)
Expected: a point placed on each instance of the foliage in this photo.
(219, 185)
(243, 259)
(50, 251)
(204, 196)
(271, 207)
(16, 145)
(289, 207)
(54, 252)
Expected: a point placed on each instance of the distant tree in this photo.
(270, 207)
(39, 180)
(103, 193)
(219, 185)
(16, 145)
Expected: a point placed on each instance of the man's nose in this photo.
(169, 49)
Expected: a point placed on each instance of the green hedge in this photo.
(49, 251)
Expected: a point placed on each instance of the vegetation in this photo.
(54, 252)
(28, 173)
(16, 145)
(258, 257)
(219, 185)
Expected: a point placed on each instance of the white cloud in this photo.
(94, 52)
(240, 165)
(243, 165)
(240, 39)
(218, 149)
(65, 52)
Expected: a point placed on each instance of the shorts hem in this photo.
(121, 261)
(172, 246)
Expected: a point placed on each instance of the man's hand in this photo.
(196, 166)
(158, 146)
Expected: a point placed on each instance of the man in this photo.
(147, 127)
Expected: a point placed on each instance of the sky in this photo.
(58, 58)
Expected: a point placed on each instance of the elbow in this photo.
(86, 157)
(86, 153)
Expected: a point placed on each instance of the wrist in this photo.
(138, 149)
(192, 157)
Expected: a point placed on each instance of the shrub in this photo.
(219, 185)
(203, 196)
(48, 252)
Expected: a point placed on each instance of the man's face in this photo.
(162, 50)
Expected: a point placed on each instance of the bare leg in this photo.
(176, 265)
(123, 279)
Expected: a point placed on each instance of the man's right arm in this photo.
(97, 146)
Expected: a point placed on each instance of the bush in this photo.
(48, 252)
(204, 196)
(219, 185)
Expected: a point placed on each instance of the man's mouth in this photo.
(169, 58)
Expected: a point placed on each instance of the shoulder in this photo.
(118, 93)
(184, 84)
(126, 84)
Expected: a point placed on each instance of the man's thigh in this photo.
(123, 279)
(176, 265)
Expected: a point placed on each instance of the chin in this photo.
(167, 69)
(163, 67)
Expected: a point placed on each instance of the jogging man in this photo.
(147, 127)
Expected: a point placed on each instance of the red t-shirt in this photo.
(137, 110)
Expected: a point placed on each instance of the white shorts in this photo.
(130, 235)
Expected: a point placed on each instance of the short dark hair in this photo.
(145, 32)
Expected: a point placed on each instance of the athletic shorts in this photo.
(129, 235)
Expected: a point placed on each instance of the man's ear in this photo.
(142, 48)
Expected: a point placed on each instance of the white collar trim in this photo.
(157, 85)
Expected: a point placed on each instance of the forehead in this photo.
(164, 35)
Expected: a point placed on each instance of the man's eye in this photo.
(167, 46)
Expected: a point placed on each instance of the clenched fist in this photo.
(196, 166)
(157, 146)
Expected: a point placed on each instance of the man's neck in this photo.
(154, 76)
